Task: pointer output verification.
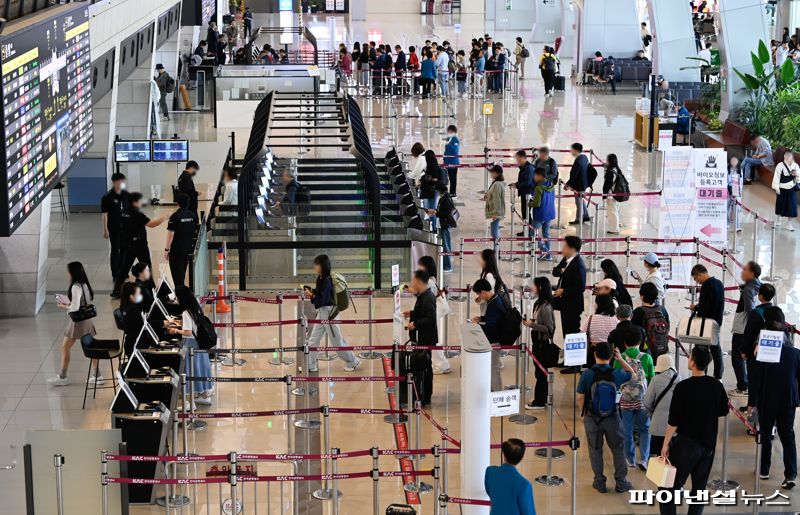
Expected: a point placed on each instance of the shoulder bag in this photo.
(86, 311)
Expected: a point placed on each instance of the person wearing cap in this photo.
(624, 324)
(162, 79)
(658, 397)
(607, 287)
(652, 266)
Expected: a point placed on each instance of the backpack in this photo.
(550, 63)
(341, 295)
(634, 390)
(656, 328)
(169, 87)
(525, 53)
(303, 200)
(621, 187)
(591, 172)
(451, 66)
(512, 322)
(602, 401)
(205, 334)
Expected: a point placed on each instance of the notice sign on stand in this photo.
(504, 403)
(711, 182)
(575, 349)
(769, 346)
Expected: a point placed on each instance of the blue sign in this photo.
(575, 349)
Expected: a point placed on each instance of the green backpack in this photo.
(341, 295)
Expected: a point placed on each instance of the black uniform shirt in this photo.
(186, 186)
(113, 204)
(183, 224)
(134, 226)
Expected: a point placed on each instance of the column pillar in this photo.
(673, 40)
(610, 26)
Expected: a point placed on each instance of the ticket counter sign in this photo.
(769, 346)
(575, 345)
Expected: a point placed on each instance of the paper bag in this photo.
(660, 472)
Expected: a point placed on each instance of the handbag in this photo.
(86, 311)
(661, 472)
(442, 307)
(698, 331)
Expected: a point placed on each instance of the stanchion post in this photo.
(185, 411)
(723, 484)
(232, 360)
(307, 422)
(281, 359)
(104, 479)
(469, 301)
(376, 499)
(522, 418)
(325, 493)
(443, 506)
(58, 462)
(232, 480)
(335, 481)
(758, 469)
(437, 488)
(558, 208)
(627, 251)
(194, 425)
(288, 415)
(574, 444)
(772, 277)
(417, 427)
(549, 452)
(755, 237)
(371, 354)
(461, 295)
(735, 248)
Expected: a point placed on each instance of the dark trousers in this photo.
(656, 443)
(177, 267)
(549, 77)
(137, 251)
(523, 202)
(719, 365)
(540, 390)
(426, 87)
(783, 419)
(248, 30)
(452, 175)
(570, 320)
(114, 240)
(423, 382)
(737, 362)
(691, 460)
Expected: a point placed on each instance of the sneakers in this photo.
(623, 487)
(202, 401)
(600, 487)
(737, 393)
(353, 367)
(96, 379)
(534, 406)
(448, 270)
(763, 477)
(574, 222)
(114, 295)
(612, 232)
(58, 381)
(441, 371)
(642, 466)
(313, 369)
(630, 464)
(788, 484)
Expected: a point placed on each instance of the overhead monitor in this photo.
(171, 150)
(47, 107)
(134, 151)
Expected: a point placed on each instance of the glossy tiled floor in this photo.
(601, 122)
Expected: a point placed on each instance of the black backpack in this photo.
(621, 187)
(525, 53)
(169, 87)
(205, 334)
(512, 323)
(591, 172)
(550, 63)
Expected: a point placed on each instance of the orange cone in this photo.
(222, 306)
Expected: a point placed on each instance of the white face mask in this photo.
(450, 135)
(137, 299)
(123, 186)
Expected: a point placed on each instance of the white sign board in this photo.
(575, 349)
(769, 346)
(711, 181)
(504, 403)
(457, 28)
(664, 139)
(395, 276)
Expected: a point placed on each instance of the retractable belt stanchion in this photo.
(437, 487)
(232, 477)
(522, 418)
(417, 429)
(58, 462)
(755, 237)
(461, 297)
(326, 493)
(194, 425)
(550, 453)
(734, 249)
(104, 479)
(557, 226)
(231, 360)
(376, 496)
(772, 277)
(443, 491)
(723, 483)
(301, 327)
(307, 422)
(280, 358)
(213, 356)
(758, 469)
(371, 309)
(288, 380)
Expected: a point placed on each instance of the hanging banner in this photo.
(711, 179)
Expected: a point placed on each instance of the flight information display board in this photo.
(172, 150)
(47, 107)
(137, 151)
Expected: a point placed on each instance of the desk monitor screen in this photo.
(132, 151)
(171, 150)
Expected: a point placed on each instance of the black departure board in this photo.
(134, 151)
(172, 150)
(47, 107)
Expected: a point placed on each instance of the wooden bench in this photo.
(733, 138)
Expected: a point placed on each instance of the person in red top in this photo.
(414, 66)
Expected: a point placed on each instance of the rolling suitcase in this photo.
(560, 83)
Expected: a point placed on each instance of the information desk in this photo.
(641, 128)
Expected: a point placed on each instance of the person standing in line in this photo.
(578, 182)
(635, 418)
(612, 173)
(520, 56)
(543, 211)
(346, 64)
(445, 215)
(162, 81)
(653, 319)
(753, 327)
(653, 268)
(487, 260)
(134, 238)
(748, 299)
(323, 297)
(597, 402)
(711, 305)
(79, 295)
(212, 37)
(461, 73)
(479, 67)
(427, 189)
(441, 365)
(491, 322)
(509, 491)
(524, 185)
(568, 295)
(543, 160)
(112, 205)
(248, 23)
(785, 183)
(442, 70)
(543, 326)
(230, 193)
(775, 396)
(617, 337)
(610, 271)
(422, 330)
(500, 68)
(683, 124)
(658, 398)
(697, 403)
(548, 64)
(495, 198)
(400, 66)
(181, 229)
(599, 324)
(762, 156)
(186, 185)
(355, 54)
(452, 153)
(413, 69)
(427, 73)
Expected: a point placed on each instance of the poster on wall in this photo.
(711, 180)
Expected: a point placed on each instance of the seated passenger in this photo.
(130, 305)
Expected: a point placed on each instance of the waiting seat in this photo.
(95, 349)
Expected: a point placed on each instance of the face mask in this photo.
(450, 135)
(123, 186)
(137, 299)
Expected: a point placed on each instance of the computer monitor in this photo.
(170, 150)
(132, 151)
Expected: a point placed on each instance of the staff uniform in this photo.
(132, 325)
(186, 186)
(182, 224)
(134, 243)
(113, 204)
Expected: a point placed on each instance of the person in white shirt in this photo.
(781, 54)
(784, 182)
(442, 70)
(652, 265)
(417, 152)
(200, 364)
(80, 295)
(230, 196)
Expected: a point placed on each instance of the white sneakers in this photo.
(353, 367)
(202, 401)
(441, 371)
(99, 379)
(58, 381)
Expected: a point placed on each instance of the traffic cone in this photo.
(222, 306)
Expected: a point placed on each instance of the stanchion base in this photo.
(196, 425)
(523, 419)
(774, 278)
(326, 356)
(175, 501)
(307, 424)
(549, 480)
(277, 361)
(326, 494)
(302, 391)
(450, 354)
(230, 361)
(457, 298)
(395, 419)
(511, 387)
(421, 488)
(722, 486)
(523, 275)
(736, 251)
(370, 355)
(557, 454)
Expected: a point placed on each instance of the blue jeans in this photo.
(442, 79)
(462, 86)
(544, 232)
(494, 228)
(638, 420)
(444, 234)
(748, 163)
(430, 203)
